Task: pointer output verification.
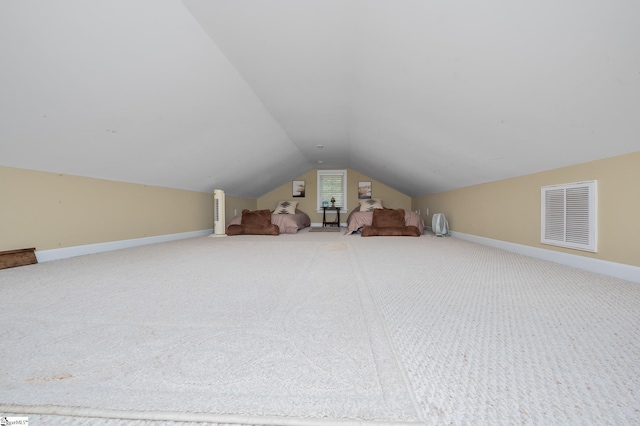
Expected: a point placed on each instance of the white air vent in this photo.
(569, 216)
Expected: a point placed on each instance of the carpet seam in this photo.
(55, 410)
(355, 260)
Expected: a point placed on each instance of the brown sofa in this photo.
(389, 222)
(257, 222)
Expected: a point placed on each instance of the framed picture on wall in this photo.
(364, 190)
(298, 189)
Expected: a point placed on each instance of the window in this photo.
(332, 183)
(569, 215)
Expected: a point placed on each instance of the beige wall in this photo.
(509, 210)
(235, 205)
(390, 197)
(49, 210)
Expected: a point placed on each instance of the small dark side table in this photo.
(324, 216)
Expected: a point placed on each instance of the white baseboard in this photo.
(63, 253)
(613, 269)
(618, 270)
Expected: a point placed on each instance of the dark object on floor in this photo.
(21, 257)
(257, 222)
(331, 229)
(389, 222)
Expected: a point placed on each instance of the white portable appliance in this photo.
(218, 213)
(439, 225)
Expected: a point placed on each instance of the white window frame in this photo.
(343, 174)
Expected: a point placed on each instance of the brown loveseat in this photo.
(389, 222)
(257, 222)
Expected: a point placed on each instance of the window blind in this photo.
(332, 184)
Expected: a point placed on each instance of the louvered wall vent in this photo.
(569, 216)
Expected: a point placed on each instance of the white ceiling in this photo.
(423, 96)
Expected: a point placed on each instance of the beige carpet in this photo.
(254, 330)
(482, 336)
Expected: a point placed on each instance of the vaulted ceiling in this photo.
(423, 96)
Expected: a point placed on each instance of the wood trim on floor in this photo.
(20, 257)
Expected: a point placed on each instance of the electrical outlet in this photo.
(427, 211)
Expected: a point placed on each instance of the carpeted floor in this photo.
(319, 328)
